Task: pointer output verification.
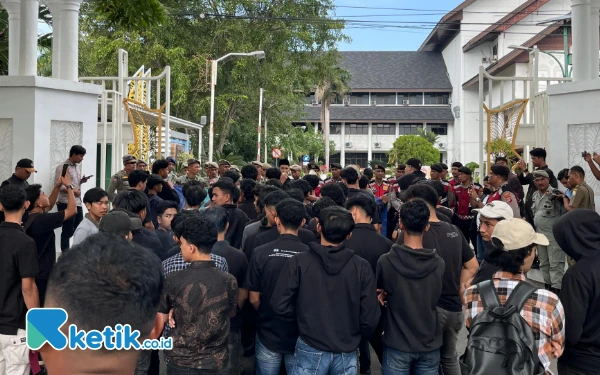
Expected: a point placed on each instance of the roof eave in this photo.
(455, 15)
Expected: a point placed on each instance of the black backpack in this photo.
(500, 340)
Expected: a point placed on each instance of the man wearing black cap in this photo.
(284, 168)
(120, 224)
(23, 170)
(120, 180)
(436, 173)
(464, 191)
(454, 180)
(538, 159)
(412, 173)
(336, 169)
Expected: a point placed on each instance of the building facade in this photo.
(393, 94)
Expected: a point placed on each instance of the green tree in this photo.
(231, 158)
(430, 136)
(333, 83)
(302, 140)
(413, 146)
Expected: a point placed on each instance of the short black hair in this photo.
(135, 177)
(563, 174)
(538, 152)
(13, 198)
(107, 280)
(225, 185)
(363, 182)
(158, 165)
(235, 176)
(414, 216)
(577, 169)
(273, 173)
(336, 224)
(291, 213)
(368, 172)
(194, 195)
(366, 204)
(508, 261)
(199, 232)
(217, 215)
(303, 186)
(272, 199)
(264, 191)
(350, 175)
(164, 206)
(191, 183)
(444, 166)
(501, 171)
(422, 191)
(457, 164)
(249, 171)
(313, 180)
(334, 191)
(94, 195)
(436, 185)
(77, 150)
(465, 170)
(501, 158)
(274, 182)
(296, 194)
(321, 204)
(247, 187)
(33, 193)
(236, 195)
(153, 180)
(131, 200)
(180, 218)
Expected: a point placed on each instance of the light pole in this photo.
(564, 69)
(213, 83)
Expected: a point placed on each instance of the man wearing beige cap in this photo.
(296, 172)
(223, 166)
(212, 172)
(547, 208)
(515, 242)
(119, 181)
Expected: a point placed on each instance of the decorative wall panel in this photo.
(582, 137)
(63, 135)
(6, 148)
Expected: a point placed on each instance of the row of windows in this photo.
(361, 158)
(387, 129)
(390, 98)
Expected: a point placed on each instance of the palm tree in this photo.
(334, 85)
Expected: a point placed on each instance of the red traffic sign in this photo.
(276, 153)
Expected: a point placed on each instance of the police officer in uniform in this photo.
(336, 170)
(547, 209)
(499, 179)
(119, 181)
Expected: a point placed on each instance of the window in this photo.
(414, 98)
(384, 98)
(381, 156)
(335, 158)
(310, 98)
(409, 128)
(335, 128)
(436, 98)
(357, 129)
(439, 129)
(384, 129)
(359, 98)
(358, 158)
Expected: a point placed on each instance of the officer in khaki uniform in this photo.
(119, 182)
(547, 209)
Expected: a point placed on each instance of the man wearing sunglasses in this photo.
(119, 181)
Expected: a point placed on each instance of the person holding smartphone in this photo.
(72, 166)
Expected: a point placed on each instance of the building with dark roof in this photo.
(393, 94)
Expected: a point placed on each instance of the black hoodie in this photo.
(237, 220)
(331, 291)
(412, 279)
(578, 234)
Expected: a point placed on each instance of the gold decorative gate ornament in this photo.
(503, 123)
(144, 122)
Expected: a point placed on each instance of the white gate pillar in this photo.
(28, 38)
(69, 40)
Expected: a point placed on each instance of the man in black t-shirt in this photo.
(238, 266)
(18, 291)
(460, 267)
(276, 336)
(40, 226)
(165, 213)
(222, 195)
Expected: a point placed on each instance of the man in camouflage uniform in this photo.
(547, 209)
(212, 172)
(172, 177)
(193, 172)
(119, 181)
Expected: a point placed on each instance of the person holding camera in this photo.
(547, 209)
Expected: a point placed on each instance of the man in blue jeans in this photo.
(331, 292)
(409, 283)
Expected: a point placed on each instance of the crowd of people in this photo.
(306, 275)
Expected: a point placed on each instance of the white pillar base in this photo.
(41, 119)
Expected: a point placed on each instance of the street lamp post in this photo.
(213, 83)
(564, 69)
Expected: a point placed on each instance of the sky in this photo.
(371, 36)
